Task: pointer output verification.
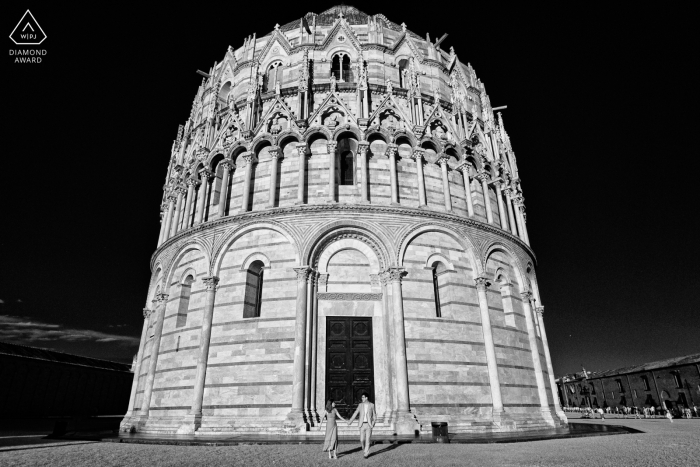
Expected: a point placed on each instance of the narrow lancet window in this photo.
(253, 290)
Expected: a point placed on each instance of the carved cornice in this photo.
(355, 209)
(346, 297)
(147, 313)
(161, 298)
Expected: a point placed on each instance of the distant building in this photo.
(675, 382)
(38, 383)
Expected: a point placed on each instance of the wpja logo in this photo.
(28, 32)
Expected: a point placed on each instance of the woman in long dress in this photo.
(331, 441)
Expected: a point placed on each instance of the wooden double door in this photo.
(349, 362)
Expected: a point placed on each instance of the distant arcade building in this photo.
(342, 213)
(673, 383)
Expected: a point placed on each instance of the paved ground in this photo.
(663, 444)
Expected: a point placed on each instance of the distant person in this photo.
(695, 411)
(602, 414)
(367, 419)
(652, 411)
(331, 442)
(669, 416)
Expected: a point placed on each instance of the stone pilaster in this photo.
(295, 419)
(405, 422)
(484, 178)
(535, 351)
(466, 170)
(442, 160)
(301, 186)
(249, 158)
(194, 418)
(275, 153)
(550, 369)
(331, 148)
(482, 284)
(418, 156)
(223, 195)
(362, 147)
(391, 150)
(160, 301)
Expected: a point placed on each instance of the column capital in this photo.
(362, 147)
(210, 282)
(303, 273)
(147, 313)
(465, 167)
(482, 282)
(227, 164)
(192, 182)
(483, 176)
(540, 311)
(274, 151)
(442, 159)
(205, 174)
(391, 150)
(172, 197)
(301, 149)
(248, 157)
(394, 274)
(161, 298)
(527, 295)
(331, 146)
(417, 154)
(181, 190)
(322, 280)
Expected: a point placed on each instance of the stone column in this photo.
(518, 202)
(535, 351)
(169, 217)
(484, 179)
(195, 413)
(482, 284)
(249, 158)
(201, 202)
(362, 147)
(301, 151)
(274, 152)
(418, 156)
(163, 215)
(388, 344)
(191, 184)
(405, 423)
(332, 146)
(445, 182)
(523, 216)
(501, 210)
(511, 217)
(550, 369)
(466, 168)
(295, 418)
(314, 341)
(391, 152)
(160, 300)
(176, 212)
(137, 368)
(223, 195)
(177, 218)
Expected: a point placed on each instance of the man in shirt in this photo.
(367, 419)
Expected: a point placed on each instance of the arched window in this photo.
(506, 298)
(223, 92)
(340, 68)
(347, 168)
(253, 290)
(184, 301)
(403, 69)
(438, 268)
(273, 76)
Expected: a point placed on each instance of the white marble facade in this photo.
(342, 166)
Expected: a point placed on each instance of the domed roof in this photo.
(351, 14)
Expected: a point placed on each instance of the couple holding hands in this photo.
(367, 417)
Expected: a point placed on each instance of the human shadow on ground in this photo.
(347, 453)
(391, 447)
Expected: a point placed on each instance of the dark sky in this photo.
(602, 113)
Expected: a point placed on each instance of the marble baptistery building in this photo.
(342, 212)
